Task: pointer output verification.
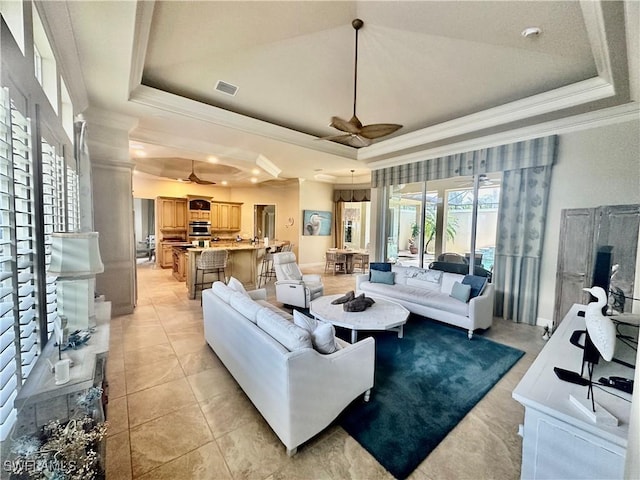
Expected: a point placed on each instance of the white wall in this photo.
(599, 166)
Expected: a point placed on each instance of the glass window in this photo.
(48, 68)
(355, 224)
(449, 221)
(14, 16)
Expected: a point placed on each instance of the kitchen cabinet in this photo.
(199, 216)
(225, 216)
(172, 213)
(179, 264)
(166, 255)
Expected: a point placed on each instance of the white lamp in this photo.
(75, 259)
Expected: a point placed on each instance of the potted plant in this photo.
(415, 232)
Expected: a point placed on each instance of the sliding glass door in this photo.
(443, 220)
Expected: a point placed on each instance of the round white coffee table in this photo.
(382, 315)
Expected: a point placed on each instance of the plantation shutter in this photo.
(8, 365)
(54, 214)
(73, 202)
(25, 241)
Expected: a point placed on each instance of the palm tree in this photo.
(430, 226)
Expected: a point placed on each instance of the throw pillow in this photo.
(236, 285)
(477, 284)
(461, 292)
(378, 276)
(379, 266)
(291, 336)
(222, 291)
(323, 334)
(245, 305)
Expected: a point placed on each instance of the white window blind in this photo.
(8, 364)
(25, 241)
(54, 214)
(73, 201)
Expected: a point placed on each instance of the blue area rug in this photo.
(425, 383)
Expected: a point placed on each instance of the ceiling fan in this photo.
(356, 134)
(483, 181)
(195, 179)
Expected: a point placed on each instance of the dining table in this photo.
(349, 253)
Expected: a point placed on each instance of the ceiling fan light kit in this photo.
(355, 134)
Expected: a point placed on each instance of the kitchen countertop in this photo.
(228, 246)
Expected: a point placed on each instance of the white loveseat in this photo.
(427, 293)
(297, 390)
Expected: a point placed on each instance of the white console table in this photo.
(560, 441)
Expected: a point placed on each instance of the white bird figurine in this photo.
(601, 329)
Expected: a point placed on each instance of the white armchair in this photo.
(292, 287)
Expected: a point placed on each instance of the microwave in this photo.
(199, 229)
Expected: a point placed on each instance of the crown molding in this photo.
(572, 95)
(593, 15)
(180, 142)
(176, 104)
(56, 21)
(142, 30)
(609, 116)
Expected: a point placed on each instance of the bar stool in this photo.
(210, 261)
(266, 268)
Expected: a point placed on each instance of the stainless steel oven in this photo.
(200, 229)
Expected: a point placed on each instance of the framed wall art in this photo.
(316, 222)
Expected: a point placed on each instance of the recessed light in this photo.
(224, 182)
(254, 180)
(212, 159)
(531, 32)
(255, 171)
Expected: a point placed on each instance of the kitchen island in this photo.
(243, 263)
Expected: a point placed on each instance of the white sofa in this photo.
(298, 390)
(427, 293)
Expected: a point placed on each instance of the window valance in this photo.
(362, 195)
(526, 154)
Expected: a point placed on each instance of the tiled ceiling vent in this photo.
(226, 88)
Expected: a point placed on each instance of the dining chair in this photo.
(335, 261)
(361, 261)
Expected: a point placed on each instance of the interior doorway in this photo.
(144, 226)
(264, 221)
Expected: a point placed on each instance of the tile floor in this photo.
(176, 413)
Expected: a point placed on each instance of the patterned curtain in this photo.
(521, 221)
(536, 152)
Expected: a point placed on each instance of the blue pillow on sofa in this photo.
(379, 266)
(476, 283)
(378, 276)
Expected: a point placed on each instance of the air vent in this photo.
(226, 88)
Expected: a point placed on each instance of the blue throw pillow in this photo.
(460, 292)
(379, 266)
(378, 276)
(476, 283)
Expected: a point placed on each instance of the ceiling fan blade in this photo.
(194, 178)
(377, 130)
(344, 126)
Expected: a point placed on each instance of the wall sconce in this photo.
(75, 260)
